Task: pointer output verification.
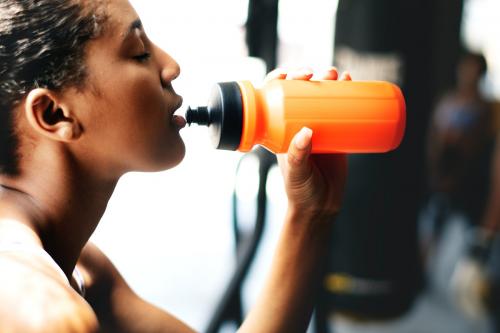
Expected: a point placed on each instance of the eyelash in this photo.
(143, 57)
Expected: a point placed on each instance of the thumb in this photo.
(299, 167)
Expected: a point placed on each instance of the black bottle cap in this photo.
(223, 115)
(198, 116)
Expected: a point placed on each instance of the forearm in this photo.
(132, 314)
(288, 298)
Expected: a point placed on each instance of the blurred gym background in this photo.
(415, 249)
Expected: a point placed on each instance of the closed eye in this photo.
(143, 57)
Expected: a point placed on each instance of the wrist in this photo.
(309, 234)
(314, 212)
(311, 215)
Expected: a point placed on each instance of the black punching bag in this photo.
(375, 269)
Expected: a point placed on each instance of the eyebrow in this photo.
(137, 24)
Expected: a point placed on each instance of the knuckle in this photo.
(293, 159)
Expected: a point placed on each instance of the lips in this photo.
(178, 121)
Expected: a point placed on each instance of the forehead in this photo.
(101, 53)
(119, 15)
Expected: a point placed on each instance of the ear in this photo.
(49, 117)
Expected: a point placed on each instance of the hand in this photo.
(314, 183)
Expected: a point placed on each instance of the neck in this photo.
(469, 90)
(68, 202)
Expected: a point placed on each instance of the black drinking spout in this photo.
(198, 115)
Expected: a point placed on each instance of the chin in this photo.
(180, 156)
(159, 156)
(173, 158)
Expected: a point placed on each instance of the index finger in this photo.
(330, 74)
(346, 76)
(276, 74)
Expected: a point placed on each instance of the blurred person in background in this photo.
(86, 97)
(460, 145)
(464, 173)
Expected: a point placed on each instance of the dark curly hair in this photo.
(42, 44)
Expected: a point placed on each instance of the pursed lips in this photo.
(177, 105)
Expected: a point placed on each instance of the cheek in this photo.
(140, 92)
(136, 100)
(132, 124)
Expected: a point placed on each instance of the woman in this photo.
(85, 97)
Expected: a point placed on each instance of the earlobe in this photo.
(49, 117)
(65, 133)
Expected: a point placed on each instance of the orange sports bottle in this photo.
(345, 116)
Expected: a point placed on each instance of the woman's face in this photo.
(126, 108)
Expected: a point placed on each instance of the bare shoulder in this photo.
(98, 271)
(116, 305)
(35, 298)
(94, 260)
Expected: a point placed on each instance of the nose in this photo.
(169, 68)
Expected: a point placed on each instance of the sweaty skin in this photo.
(120, 121)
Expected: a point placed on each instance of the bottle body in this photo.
(345, 116)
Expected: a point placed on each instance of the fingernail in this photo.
(303, 138)
(306, 72)
(346, 75)
(331, 74)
